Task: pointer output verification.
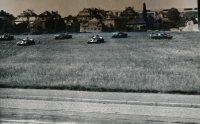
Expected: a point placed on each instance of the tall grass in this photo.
(134, 64)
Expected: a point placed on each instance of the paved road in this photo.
(79, 107)
(40, 111)
(157, 99)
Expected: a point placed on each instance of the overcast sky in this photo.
(72, 7)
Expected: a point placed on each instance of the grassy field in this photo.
(133, 64)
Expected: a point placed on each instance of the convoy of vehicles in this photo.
(93, 39)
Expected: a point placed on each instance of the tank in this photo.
(119, 35)
(95, 39)
(62, 36)
(26, 42)
(160, 35)
(6, 37)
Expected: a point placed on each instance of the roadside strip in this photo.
(189, 105)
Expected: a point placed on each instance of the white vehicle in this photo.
(95, 39)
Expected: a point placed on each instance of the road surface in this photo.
(18, 111)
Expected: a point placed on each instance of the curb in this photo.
(100, 101)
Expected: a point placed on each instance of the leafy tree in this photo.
(6, 22)
(111, 27)
(75, 27)
(37, 27)
(150, 22)
(173, 15)
(21, 28)
(194, 20)
(54, 25)
(105, 28)
(27, 14)
(158, 23)
(50, 25)
(144, 12)
(60, 25)
(190, 14)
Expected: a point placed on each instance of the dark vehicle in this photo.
(119, 35)
(160, 35)
(95, 39)
(26, 42)
(6, 37)
(62, 36)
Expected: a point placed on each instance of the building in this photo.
(87, 14)
(70, 20)
(28, 16)
(149, 13)
(136, 24)
(94, 20)
(116, 13)
(129, 13)
(109, 20)
(72, 24)
(46, 15)
(92, 25)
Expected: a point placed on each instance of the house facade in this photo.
(45, 15)
(26, 16)
(116, 13)
(109, 20)
(86, 14)
(129, 13)
(92, 25)
(136, 24)
(70, 20)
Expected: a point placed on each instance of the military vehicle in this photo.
(160, 35)
(26, 42)
(119, 35)
(62, 36)
(95, 39)
(6, 37)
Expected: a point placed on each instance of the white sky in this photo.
(72, 7)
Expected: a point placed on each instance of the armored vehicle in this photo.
(95, 39)
(26, 42)
(6, 37)
(62, 36)
(160, 35)
(119, 35)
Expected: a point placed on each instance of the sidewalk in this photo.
(172, 100)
